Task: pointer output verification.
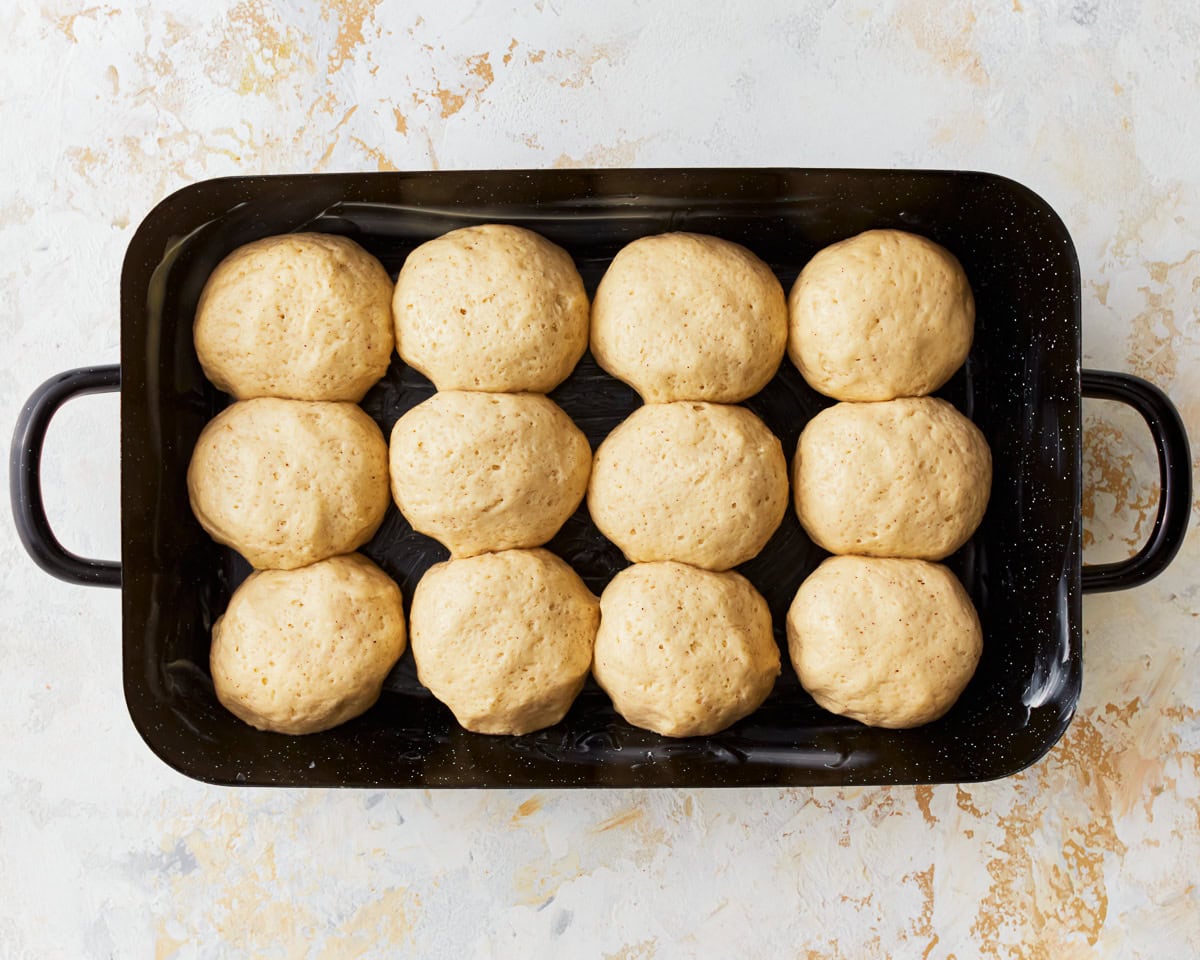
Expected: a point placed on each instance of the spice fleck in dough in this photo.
(305, 316)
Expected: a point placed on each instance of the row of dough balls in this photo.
(492, 315)
(309, 316)
(878, 632)
(688, 485)
(294, 485)
(505, 640)
(498, 308)
(287, 483)
(887, 480)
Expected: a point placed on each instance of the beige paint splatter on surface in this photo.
(353, 19)
(642, 950)
(536, 883)
(475, 78)
(1170, 319)
(946, 34)
(381, 925)
(1120, 487)
(528, 808)
(66, 22)
(620, 153)
(269, 52)
(620, 820)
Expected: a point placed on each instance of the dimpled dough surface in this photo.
(683, 316)
(488, 471)
(289, 482)
(504, 639)
(305, 316)
(300, 651)
(891, 643)
(702, 483)
(902, 478)
(881, 315)
(491, 307)
(682, 651)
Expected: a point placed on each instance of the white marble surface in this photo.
(104, 852)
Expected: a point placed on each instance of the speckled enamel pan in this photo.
(1022, 384)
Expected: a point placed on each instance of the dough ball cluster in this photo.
(887, 480)
(294, 476)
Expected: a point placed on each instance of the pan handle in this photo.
(1175, 474)
(25, 479)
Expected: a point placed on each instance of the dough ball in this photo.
(682, 651)
(504, 639)
(903, 478)
(492, 307)
(289, 482)
(488, 471)
(300, 651)
(889, 642)
(884, 314)
(701, 483)
(683, 316)
(305, 316)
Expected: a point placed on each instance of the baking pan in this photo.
(1022, 385)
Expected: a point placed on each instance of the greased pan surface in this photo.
(1021, 385)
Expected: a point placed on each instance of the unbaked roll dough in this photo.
(289, 482)
(305, 316)
(892, 643)
(903, 478)
(684, 316)
(492, 307)
(488, 471)
(682, 651)
(881, 315)
(300, 651)
(504, 639)
(702, 483)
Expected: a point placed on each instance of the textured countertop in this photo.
(105, 852)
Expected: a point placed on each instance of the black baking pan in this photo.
(1022, 385)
